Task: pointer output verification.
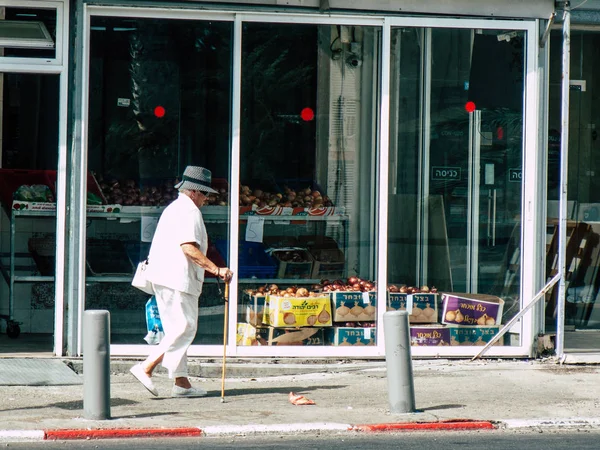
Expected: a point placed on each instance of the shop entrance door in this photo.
(28, 176)
(582, 300)
(456, 154)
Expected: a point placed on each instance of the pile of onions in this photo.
(127, 192)
(352, 284)
(357, 324)
(292, 291)
(220, 199)
(289, 198)
(404, 289)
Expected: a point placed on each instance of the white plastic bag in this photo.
(140, 279)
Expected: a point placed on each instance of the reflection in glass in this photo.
(159, 100)
(308, 152)
(583, 204)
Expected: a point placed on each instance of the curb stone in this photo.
(228, 430)
(245, 430)
(575, 422)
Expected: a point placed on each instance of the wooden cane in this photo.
(225, 341)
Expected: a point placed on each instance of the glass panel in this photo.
(159, 101)
(28, 32)
(455, 170)
(583, 206)
(28, 157)
(308, 160)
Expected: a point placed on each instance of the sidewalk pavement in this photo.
(350, 396)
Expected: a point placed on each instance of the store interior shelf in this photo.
(32, 278)
(124, 279)
(127, 279)
(210, 213)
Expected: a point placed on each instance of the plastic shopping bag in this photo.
(140, 280)
(155, 329)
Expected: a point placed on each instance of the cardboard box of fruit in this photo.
(429, 335)
(298, 311)
(422, 307)
(249, 335)
(254, 306)
(354, 306)
(477, 335)
(471, 309)
(347, 336)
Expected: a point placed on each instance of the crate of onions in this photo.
(352, 300)
(421, 303)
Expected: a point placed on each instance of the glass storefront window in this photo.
(583, 203)
(28, 173)
(456, 149)
(159, 100)
(308, 147)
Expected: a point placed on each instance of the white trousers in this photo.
(179, 316)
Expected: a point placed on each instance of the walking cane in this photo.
(225, 340)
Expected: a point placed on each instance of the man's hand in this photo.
(224, 274)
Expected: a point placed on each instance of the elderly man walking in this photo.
(176, 265)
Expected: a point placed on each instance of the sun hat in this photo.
(196, 178)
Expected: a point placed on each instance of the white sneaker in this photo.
(138, 372)
(191, 392)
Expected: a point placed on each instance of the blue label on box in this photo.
(354, 306)
(346, 336)
(476, 335)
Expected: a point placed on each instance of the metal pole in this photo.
(401, 390)
(564, 162)
(96, 364)
(225, 325)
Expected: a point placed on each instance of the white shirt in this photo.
(168, 266)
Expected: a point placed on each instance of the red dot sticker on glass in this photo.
(159, 111)
(470, 107)
(307, 114)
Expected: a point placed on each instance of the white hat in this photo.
(196, 179)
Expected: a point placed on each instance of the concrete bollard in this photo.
(96, 364)
(401, 390)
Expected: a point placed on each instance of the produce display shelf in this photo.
(219, 214)
(32, 278)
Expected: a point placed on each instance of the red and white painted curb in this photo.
(122, 433)
(225, 430)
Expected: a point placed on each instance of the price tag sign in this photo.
(409, 303)
(365, 298)
(254, 229)
(148, 228)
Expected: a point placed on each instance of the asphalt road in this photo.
(474, 440)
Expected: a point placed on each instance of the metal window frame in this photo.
(532, 169)
(57, 66)
(62, 32)
(385, 23)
